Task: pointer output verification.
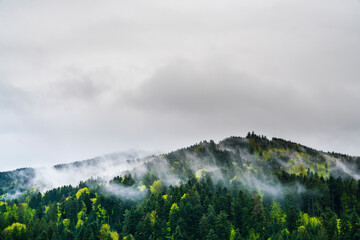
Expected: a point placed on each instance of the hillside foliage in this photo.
(241, 188)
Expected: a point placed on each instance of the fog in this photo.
(104, 167)
(246, 170)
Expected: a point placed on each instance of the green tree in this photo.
(278, 218)
(222, 226)
(178, 235)
(355, 227)
(345, 229)
(174, 216)
(292, 218)
(132, 218)
(330, 223)
(15, 231)
(258, 214)
(104, 233)
(212, 235)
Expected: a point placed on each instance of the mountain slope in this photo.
(239, 188)
(229, 158)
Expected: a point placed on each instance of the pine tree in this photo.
(330, 223)
(222, 226)
(212, 235)
(178, 235)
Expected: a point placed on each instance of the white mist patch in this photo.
(209, 164)
(125, 192)
(105, 167)
(348, 169)
(262, 182)
(258, 180)
(11, 196)
(159, 167)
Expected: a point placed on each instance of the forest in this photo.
(239, 188)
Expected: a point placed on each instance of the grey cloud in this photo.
(15, 105)
(79, 85)
(215, 97)
(105, 79)
(185, 87)
(12, 98)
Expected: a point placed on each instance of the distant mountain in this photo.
(231, 158)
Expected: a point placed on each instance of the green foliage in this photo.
(253, 235)
(127, 180)
(15, 231)
(174, 217)
(66, 222)
(178, 235)
(106, 234)
(278, 217)
(330, 223)
(82, 191)
(156, 187)
(221, 204)
(212, 235)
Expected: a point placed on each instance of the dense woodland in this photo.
(316, 198)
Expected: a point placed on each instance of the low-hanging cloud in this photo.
(347, 169)
(105, 167)
(125, 192)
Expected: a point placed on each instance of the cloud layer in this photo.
(82, 79)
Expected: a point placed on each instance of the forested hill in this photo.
(240, 188)
(251, 152)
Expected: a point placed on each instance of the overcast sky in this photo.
(80, 79)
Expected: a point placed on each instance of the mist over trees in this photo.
(239, 188)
